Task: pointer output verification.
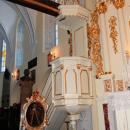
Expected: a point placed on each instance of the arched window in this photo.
(19, 44)
(3, 58)
(57, 35)
(50, 31)
(3, 49)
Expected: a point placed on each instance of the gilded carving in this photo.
(78, 66)
(101, 7)
(120, 86)
(94, 43)
(33, 118)
(107, 85)
(113, 32)
(117, 3)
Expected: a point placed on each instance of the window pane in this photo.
(3, 61)
(19, 44)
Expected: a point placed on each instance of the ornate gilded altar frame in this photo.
(41, 100)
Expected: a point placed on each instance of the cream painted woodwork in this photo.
(76, 85)
(75, 19)
(119, 110)
(69, 89)
(116, 65)
(80, 42)
(72, 16)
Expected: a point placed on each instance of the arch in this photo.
(19, 54)
(23, 13)
(26, 18)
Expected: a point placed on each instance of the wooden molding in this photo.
(45, 6)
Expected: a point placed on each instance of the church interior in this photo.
(64, 65)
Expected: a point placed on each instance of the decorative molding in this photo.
(94, 46)
(119, 3)
(78, 66)
(113, 32)
(75, 80)
(69, 2)
(101, 7)
(107, 85)
(82, 84)
(73, 10)
(55, 83)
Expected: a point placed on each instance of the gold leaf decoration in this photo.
(117, 3)
(101, 7)
(107, 85)
(94, 43)
(113, 32)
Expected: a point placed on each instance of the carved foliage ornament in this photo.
(120, 86)
(117, 3)
(101, 7)
(108, 85)
(113, 32)
(94, 43)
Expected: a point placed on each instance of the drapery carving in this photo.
(94, 43)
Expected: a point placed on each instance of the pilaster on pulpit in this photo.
(72, 83)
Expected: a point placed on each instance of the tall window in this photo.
(50, 35)
(3, 59)
(57, 40)
(19, 44)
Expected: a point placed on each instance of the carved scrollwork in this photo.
(101, 7)
(117, 3)
(94, 43)
(107, 85)
(113, 32)
(120, 86)
(35, 112)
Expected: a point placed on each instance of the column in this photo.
(71, 121)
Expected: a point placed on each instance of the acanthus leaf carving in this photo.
(101, 7)
(117, 3)
(94, 43)
(113, 32)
